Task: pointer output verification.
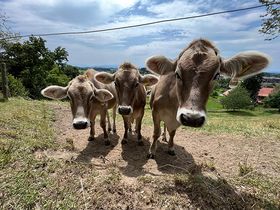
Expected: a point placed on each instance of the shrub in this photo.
(238, 98)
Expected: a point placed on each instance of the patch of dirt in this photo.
(194, 150)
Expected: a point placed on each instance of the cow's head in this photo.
(127, 80)
(195, 71)
(82, 95)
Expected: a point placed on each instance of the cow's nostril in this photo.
(184, 119)
(124, 110)
(192, 122)
(80, 125)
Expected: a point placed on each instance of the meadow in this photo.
(204, 174)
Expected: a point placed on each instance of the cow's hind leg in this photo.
(138, 129)
(171, 143)
(114, 118)
(103, 126)
(126, 122)
(92, 130)
(108, 121)
(163, 135)
(156, 135)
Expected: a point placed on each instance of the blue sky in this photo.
(232, 33)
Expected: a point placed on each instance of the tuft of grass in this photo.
(244, 169)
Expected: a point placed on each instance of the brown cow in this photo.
(131, 95)
(88, 98)
(180, 96)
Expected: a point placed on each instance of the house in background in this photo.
(263, 93)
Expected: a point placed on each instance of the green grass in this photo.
(29, 182)
(248, 123)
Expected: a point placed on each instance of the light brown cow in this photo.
(131, 95)
(180, 96)
(88, 98)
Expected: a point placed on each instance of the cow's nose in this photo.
(124, 110)
(80, 124)
(187, 120)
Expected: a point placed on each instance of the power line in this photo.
(136, 25)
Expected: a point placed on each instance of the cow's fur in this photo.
(131, 94)
(184, 86)
(88, 98)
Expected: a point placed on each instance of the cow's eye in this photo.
(217, 76)
(178, 76)
(116, 84)
(136, 85)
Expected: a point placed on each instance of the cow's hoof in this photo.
(107, 142)
(124, 141)
(151, 156)
(90, 138)
(171, 152)
(109, 130)
(114, 130)
(140, 143)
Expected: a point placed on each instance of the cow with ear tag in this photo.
(86, 100)
(131, 94)
(184, 86)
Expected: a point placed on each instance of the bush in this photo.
(16, 87)
(238, 98)
(273, 100)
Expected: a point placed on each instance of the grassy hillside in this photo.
(31, 180)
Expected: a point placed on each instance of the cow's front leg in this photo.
(171, 143)
(156, 135)
(92, 130)
(126, 122)
(103, 126)
(138, 129)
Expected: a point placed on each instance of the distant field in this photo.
(35, 175)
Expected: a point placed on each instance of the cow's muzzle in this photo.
(125, 110)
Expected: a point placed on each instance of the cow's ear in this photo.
(148, 79)
(104, 77)
(160, 65)
(244, 65)
(102, 95)
(55, 92)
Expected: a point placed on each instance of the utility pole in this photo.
(5, 86)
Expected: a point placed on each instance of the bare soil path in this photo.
(220, 153)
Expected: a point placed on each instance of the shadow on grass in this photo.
(135, 156)
(204, 190)
(97, 148)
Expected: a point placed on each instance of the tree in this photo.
(238, 98)
(253, 85)
(57, 77)
(32, 61)
(271, 20)
(70, 71)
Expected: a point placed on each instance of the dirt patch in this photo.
(220, 153)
